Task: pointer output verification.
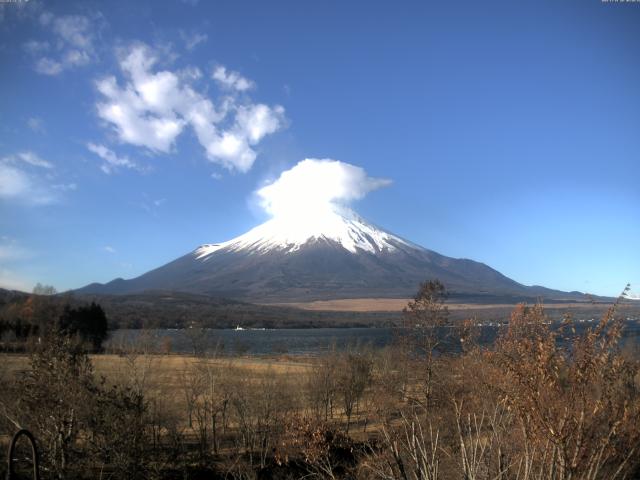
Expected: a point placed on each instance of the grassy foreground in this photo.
(529, 407)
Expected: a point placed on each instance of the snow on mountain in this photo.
(342, 226)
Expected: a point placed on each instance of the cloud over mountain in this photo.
(316, 185)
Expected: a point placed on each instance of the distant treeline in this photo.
(180, 310)
(183, 310)
(27, 318)
(24, 315)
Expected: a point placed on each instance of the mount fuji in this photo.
(330, 255)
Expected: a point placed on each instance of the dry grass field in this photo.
(351, 305)
(397, 304)
(363, 413)
(165, 374)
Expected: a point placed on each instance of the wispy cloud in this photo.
(13, 181)
(18, 185)
(33, 159)
(151, 205)
(154, 107)
(109, 249)
(111, 161)
(193, 39)
(27, 178)
(70, 44)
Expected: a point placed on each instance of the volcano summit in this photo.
(315, 248)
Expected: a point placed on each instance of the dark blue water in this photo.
(252, 342)
(310, 341)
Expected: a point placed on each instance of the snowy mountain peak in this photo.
(319, 255)
(343, 227)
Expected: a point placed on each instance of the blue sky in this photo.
(132, 132)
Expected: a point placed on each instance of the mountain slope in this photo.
(334, 255)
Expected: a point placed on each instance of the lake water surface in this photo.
(311, 341)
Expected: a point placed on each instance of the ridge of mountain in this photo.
(330, 256)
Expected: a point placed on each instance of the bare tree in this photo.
(41, 289)
(321, 385)
(411, 451)
(191, 387)
(573, 396)
(353, 377)
(424, 318)
(198, 338)
(209, 397)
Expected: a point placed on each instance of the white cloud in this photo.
(13, 182)
(316, 186)
(111, 161)
(18, 185)
(257, 121)
(154, 107)
(231, 80)
(109, 249)
(71, 44)
(22, 179)
(133, 122)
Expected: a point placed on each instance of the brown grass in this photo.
(397, 304)
(164, 373)
(169, 366)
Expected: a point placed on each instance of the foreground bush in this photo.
(81, 425)
(544, 402)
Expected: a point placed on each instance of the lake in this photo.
(311, 341)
